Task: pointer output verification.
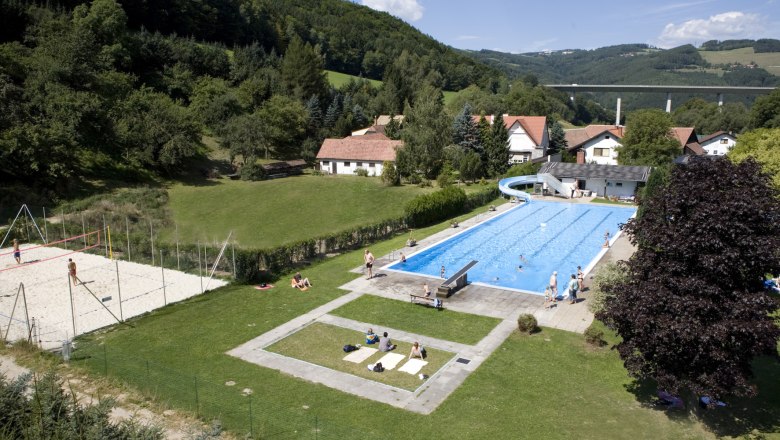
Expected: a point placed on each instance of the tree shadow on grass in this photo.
(741, 416)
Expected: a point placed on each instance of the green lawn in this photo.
(299, 346)
(273, 212)
(548, 385)
(338, 79)
(415, 318)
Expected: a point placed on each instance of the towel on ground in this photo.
(359, 355)
(390, 360)
(413, 366)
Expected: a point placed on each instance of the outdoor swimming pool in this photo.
(551, 236)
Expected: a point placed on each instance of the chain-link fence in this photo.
(247, 412)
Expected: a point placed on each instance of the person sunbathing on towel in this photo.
(299, 282)
(371, 337)
(417, 351)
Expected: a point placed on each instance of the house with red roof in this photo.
(368, 151)
(718, 143)
(528, 136)
(595, 143)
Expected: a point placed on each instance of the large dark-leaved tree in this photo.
(692, 313)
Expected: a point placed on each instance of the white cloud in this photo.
(406, 9)
(725, 26)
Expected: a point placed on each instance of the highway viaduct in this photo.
(719, 91)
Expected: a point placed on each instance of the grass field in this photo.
(273, 212)
(549, 385)
(299, 346)
(769, 61)
(414, 318)
(338, 79)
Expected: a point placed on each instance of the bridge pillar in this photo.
(571, 96)
(720, 99)
(668, 102)
(617, 112)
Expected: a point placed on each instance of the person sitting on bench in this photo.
(299, 282)
(371, 337)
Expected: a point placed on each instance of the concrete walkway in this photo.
(503, 304)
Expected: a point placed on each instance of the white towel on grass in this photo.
(358, 356)
(390, 360)
(412, 366)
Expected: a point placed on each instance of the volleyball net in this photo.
(39, 253)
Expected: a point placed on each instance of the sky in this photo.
(529, 26)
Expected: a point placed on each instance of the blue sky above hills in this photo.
(529, 26)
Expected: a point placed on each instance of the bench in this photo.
(426, 300)
(455, 282)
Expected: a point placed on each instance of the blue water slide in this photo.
(505, 185)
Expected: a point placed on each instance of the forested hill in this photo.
(627, 64)
(352, 38)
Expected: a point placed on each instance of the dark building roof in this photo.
(595, 171)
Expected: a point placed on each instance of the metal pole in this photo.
(11, 318)
(45, 226)
(151, 239)
(119, 291)
(83, 229)
(26, 313)
(162, 269)
(105, 233)
(178, 265)
(72, 308)
(62, 215)
(127, 226)
(200, 269)
(233, 250)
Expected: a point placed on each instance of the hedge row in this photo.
(432, 208)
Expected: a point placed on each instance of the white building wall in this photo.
(348, 167)
(602, 142)
(719, 146)
(521, 144)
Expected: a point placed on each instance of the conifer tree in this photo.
(557, 137)
(302, 70)
(498, 148)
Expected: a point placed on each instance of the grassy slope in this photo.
(769, 61)
(338, 79)
(273, 212)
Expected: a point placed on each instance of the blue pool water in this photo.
(551, 236)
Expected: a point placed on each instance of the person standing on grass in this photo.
(17, 252)
(72, 271)
(368, 257)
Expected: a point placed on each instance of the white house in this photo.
(602, 180)
(528, 136)
(718, 144)
(598, 143)
(369, 151)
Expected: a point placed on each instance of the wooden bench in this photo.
(426, 300)
(455, 282)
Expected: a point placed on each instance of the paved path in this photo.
(503, 304)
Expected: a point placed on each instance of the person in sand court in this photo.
(368, 257)
(72, 271)
(17, 252)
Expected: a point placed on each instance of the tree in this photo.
(426, 132)
(302, 71)
(213, 102)
(393, 128)
(764, 146)
(470, 166)
(498, 148)
(608, 274)
(765, 112)
(692, 312)
(465, 132)
(283, 127)
(390, 176)
(557, 138)
(648, 139)
(242, 137)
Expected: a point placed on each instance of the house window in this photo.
(359, 164)
(618, 183)
(326, 162)
(724, 141)
(371, 165)
(346, 164)
(601, 152)
(606, 137)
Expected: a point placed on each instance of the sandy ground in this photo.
(96, 302)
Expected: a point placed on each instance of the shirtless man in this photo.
(17, 252)
(554, 285)
(368, 257)
(72, 270)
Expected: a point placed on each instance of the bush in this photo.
(424, 183)
(252, 171)
(430, 208)
(595, 336)
(445, 178)
(609, 274)
(390, 175)
(479, 198)
(523, 169)
(526, 323)
(362, 172)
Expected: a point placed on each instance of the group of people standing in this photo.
(574, 285)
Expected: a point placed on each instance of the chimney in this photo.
(580, 156)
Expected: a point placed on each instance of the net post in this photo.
(162, 269)
(62, 217)
(233, 250)
(119, 291)
(83, 228)
(26, 313)
(105, 245)
(200, 269)
(178, 265)
(13, 310)
(72, 308)
(127, 226)
(45, 226)
(151, 239)
(110, 247)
